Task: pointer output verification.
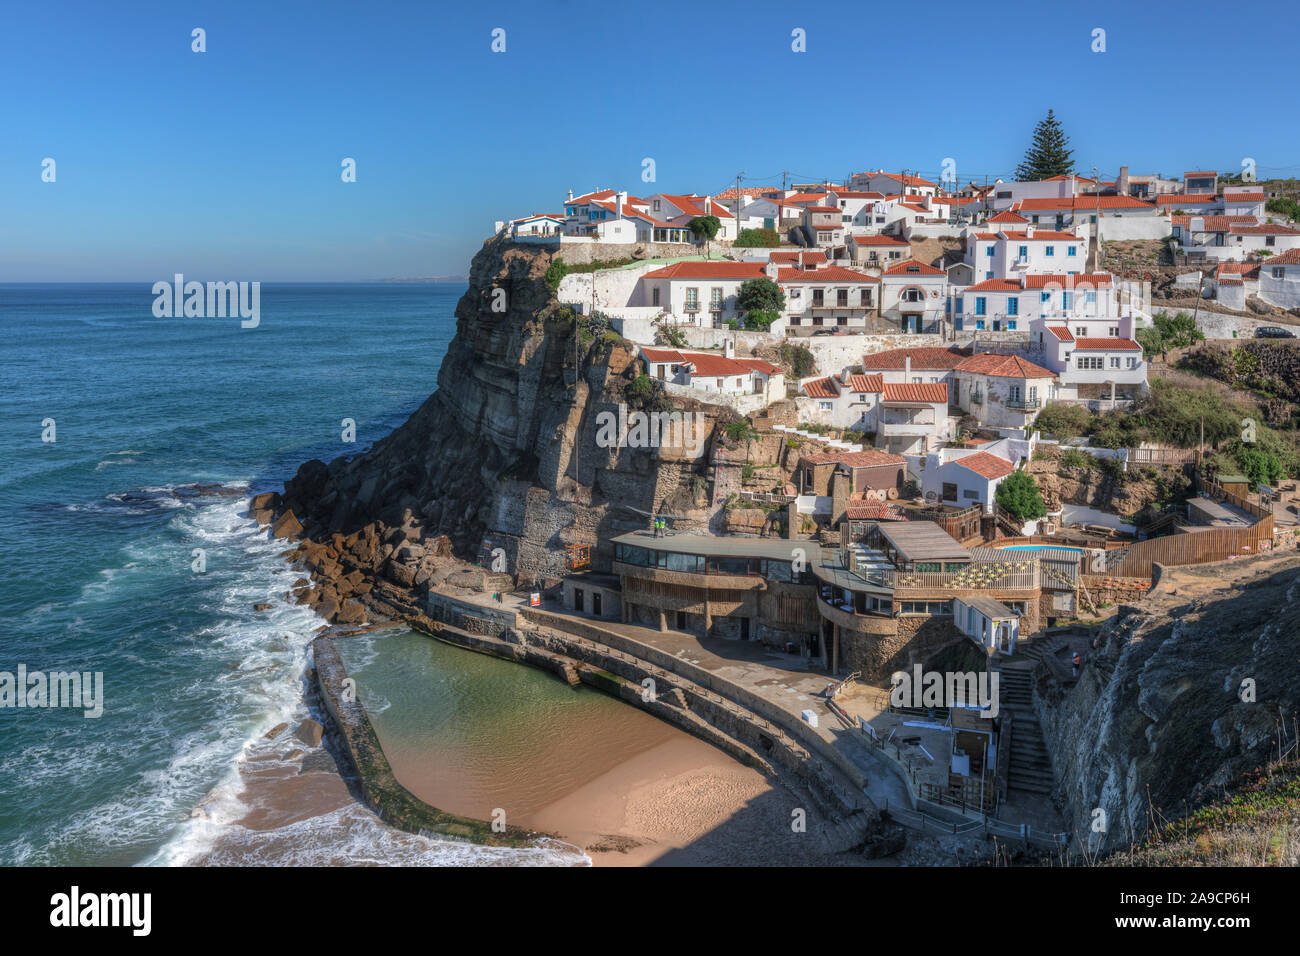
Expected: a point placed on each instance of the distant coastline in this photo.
(437, 279)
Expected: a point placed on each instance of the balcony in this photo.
(1023, 404)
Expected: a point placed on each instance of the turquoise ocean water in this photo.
(163, 427)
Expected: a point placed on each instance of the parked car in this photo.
(1273, 332)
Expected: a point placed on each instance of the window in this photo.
(1090, 362)
(980, 305)
(989, 274)
(989, 252)
(970, 495)
(796, 293)
(1270, 240)
(1070, 250)
(1080, 332)
(1114, 331)
(819, 297)
(1011, 325)
(949, 491)
(654, 296)
(1024, 252)
(656, 205)
(1034, 220)
(1132, 362)
(1013, 305)
(692, 300)
(1114, 361)
(1045, 297)
(826, 406)
(1090, 297)
(715, 298)
(979, 325)
(841, 296)
(957, 306)
(1050, 251)
(1067, 300)
(1278, 272)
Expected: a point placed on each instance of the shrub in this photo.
(760, 320)
(1018, 493)
(798, 359)
(1064, 421)
(757, 239)
(556, 271)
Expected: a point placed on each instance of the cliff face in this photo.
(1157, 720)
(504, 451)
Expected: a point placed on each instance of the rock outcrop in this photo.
(1183, 695)
(502, 456)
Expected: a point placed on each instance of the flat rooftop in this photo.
(993, 610)
(1220, 515)
(922, 541)
(777, 549)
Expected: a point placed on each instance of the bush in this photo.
(1073, 458)
(1064, 421)
(1169, 332)
(556, 271)
(757, 239)
(798, 359)
(760, 320)
(1018, 493)
(760, 294)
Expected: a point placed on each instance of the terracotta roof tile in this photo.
(923, 358)
(1003, 366)
(986, 465)
(915, 392)
(1106, 345)
(866, 458)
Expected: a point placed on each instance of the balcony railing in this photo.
(1023, 404)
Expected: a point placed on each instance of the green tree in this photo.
(760, 294)
(760, 320)
(556, 271)
(1049, 154)
(1018, 493)
(704, 228)
(742, 430)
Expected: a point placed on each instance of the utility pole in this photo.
(739, 199)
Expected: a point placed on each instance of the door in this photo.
(577, 599)
(595, 603)
(744, 628)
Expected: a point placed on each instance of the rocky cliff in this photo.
(1184, 694)
(504, 453)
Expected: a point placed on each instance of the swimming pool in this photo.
(1038, 547)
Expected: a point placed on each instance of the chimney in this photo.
(618, 204)
(729, 347)
(1196, 224)
(570, 195)
(1029, 231)
(907, 366)
(1121, 183)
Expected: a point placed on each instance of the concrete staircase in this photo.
(847, 834)
(1030, 767)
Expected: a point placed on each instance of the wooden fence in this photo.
(1161, 456)
(1196, 547)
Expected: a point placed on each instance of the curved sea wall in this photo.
(380, 789)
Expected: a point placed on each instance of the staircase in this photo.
(847, 834)
(1030, 767)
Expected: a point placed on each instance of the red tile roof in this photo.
(1264, 229)
(1201, 172)
(986, 465)
(717, 269)
(709, 363)
(1106, 345)
(866, 383)
(923, 358)
(915, 392)
(1003, 366)
(819, 388)
(1244, 197)
(866, 458)
(1182, 199)
(805, 256)
(913, 267)
(1023, 235)
(1008, 217)
(871, 509)
(1085, 203)
(1064, 334)
(1244, 270)
(1093, 280)
(910, 180)
(994, 285)
(827, 274)
(759, 365)
(1213, 223)
(857, 194)
(878, 241)
(822, 208)
(1289, 258)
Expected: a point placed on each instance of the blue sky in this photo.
(226, 164)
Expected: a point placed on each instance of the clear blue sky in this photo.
(225, 164)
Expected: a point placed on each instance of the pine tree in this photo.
(1048, 156)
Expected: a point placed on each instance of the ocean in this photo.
(126, 551)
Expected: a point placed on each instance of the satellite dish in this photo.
(930, 496)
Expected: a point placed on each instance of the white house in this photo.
(931, 364)
(828, 297)
(876, 251)
(846, 400)
(892, 183)
(699, 293)
(1279, 280)
(1018, 304)
(1105, 371)
(962, 477)
(989, 623)
(1232, 237)
(913, 294)
(1001, 391)
(1008, 254)
(582, 213)
(1118, 217)
(715, 373)
(538, 224)
(912, 419)
(1234, 282)
(677, 211)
